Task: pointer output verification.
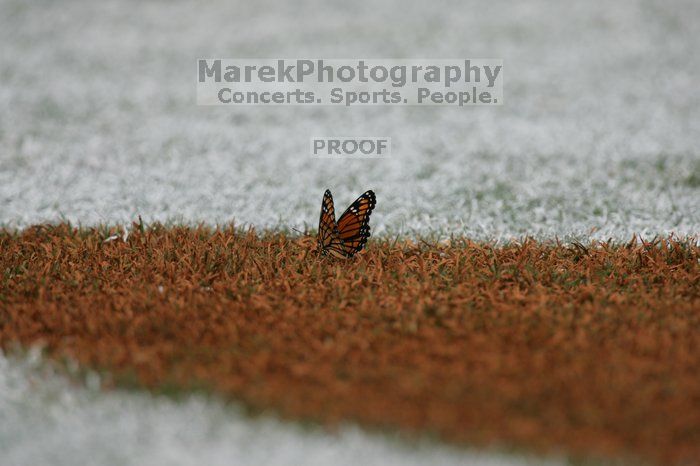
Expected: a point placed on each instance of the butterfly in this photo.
(349, 234)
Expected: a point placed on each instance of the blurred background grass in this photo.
(598, 135)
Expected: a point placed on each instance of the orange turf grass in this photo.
(591, 348)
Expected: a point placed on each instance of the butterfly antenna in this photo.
(395, 240)
(305, 233)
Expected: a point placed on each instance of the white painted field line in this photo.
(47, 420)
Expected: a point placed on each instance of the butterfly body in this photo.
(349, 234)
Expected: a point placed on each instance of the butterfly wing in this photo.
(327, 229)
(353, 226)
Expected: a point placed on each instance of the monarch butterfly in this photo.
(349, 234)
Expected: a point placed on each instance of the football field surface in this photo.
(597, 138)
